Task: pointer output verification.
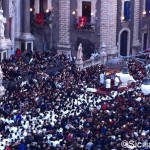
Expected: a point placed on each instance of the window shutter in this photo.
(127, 10)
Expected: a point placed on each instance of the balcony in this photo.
(88, 25)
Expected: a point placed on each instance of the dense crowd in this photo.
(47, 107)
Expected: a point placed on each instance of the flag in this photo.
(82, 22)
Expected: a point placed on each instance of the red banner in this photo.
(82, 22)
(39, 19)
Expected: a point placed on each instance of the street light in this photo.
(145, 87)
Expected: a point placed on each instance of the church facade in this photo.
(123, 26)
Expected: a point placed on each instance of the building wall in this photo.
(78, 35)
(121, 25)
(55, 12)
(144, 21)
(95, 38)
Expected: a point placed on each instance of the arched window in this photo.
(124, 43)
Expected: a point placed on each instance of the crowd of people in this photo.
(46, 106)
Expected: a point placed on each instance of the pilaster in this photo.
(64, 25)
(136, 42)
(17, 18)
(26, 39)
(108, 25)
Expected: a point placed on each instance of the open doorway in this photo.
(145, 37)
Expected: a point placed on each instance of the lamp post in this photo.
(145, 87)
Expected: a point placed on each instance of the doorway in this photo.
(145, 37)
(124, 43)
(86, 10)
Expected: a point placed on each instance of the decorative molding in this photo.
(64, 22)
(11, 8)
(146, 28)
(79, 7)
(136, 23)
(124, 23)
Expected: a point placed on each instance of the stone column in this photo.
(136, 42)
(5, 7)
(17, 18)
(108, 26)
(26, 16)
(64, 26)
(26, 39)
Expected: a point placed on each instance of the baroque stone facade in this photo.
(107, 25)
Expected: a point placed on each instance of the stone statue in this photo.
(2, 21)
(1, 29)
(80, 53)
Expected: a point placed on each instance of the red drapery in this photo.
(147, 50)
(39, 19)
(82, 22)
